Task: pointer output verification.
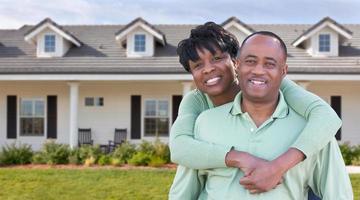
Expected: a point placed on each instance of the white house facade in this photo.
(55, 79)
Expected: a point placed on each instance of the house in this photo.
(56, 78)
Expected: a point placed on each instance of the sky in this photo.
(15, 13)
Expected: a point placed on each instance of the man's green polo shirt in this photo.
(228, 125)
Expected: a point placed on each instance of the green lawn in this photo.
(92, 184)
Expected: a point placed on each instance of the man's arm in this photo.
(329, 180)
(187, 151)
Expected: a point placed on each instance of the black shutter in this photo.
(336, 105)
(135, 117)
(11, 117)
(52, 117)
(176, 99)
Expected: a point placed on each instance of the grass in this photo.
(90, 184)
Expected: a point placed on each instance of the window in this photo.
(94, 101)
(49, 43)
(156, 118)
(324, 43)
(335, 103)
(139, 43)
(32, 117)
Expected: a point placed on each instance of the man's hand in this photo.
(262, 177)
(259, 175)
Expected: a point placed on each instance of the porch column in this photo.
(73, 118)
(304, 84)
(186, 87)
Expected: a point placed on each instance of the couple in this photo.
(257, 143)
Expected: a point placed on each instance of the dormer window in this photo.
(324, 43)
(49, 45)
(140, 43)
(51, 40)
(140, 38)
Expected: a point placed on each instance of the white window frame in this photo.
(319, 46)
(139, 51)
(45, 46)
(156, 116)
(33, 104)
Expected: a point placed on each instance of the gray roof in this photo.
(101, 54)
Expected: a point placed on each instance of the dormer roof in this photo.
(233, 21)
(139, 22)
(325, 22)
(30, 36)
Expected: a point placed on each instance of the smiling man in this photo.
(260, 122)
(210, 54)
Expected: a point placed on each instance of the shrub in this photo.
(16, 154)
(74, 157)
(88, 151)
(116, 162)
(38, 158)
(153, 154)
(140, 158)
(162, 151)
(89, 161)
(156, 161)
(104, 160)
(147, 148)
(347, 153)
(124, 152)
(53, 153)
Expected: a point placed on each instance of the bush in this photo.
(147, 148)
(74, 157)
(162, 151)
(53, 153)
(38, 158)
(351, 154)
(16, 154)
(88, 151)
(140, 158)
(104, 160)
(89, 161)
(156, 161)
(124, 152)
(347, 153)
(116, 162)
(154, 154)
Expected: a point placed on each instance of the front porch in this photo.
(145, 108)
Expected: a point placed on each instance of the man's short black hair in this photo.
(266, 33)
(210, 36)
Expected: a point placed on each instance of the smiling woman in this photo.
(214, 74)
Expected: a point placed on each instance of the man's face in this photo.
(213, 74)
(262, 68)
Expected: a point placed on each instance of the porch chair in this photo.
(84, 137)
(119, 137)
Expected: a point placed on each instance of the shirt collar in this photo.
(281, 111)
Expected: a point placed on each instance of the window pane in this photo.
(26, 126)
(99, 101)
(150, 108)
(26, 108)
(39, 108)
(49, 43)
(38, 124)
(163, 108)
(163, 126)
(150, 126)
(139, 43)
(89, 101)
(324, 43)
